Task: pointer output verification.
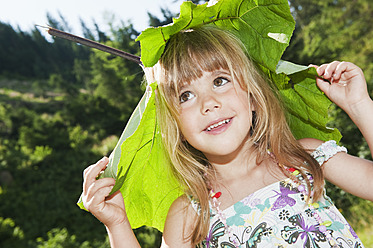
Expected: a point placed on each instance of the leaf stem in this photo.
(93, 44)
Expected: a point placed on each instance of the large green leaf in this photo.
(265, 27)
(306, 105)
(143, 175)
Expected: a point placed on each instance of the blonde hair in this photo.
(187, 55)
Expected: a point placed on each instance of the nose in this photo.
(210, 103)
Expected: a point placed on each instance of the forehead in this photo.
(206, 76)
(196, 66)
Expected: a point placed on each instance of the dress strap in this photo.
(195, 204)
(327, 150)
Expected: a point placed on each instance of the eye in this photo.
(220, 81)
(185, 96)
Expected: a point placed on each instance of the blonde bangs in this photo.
(191, 58)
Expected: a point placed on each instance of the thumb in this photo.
(323, 85)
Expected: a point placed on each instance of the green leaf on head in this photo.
(265, 28)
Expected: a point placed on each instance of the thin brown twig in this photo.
(93, 44)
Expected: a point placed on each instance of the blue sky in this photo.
(26, 13)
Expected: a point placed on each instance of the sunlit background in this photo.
(26, 14)
(63, 106)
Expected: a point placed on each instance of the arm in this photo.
(349, 91)
(109, 210)
(179, 224)
(350, 173)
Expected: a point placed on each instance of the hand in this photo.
(347, 87)
(109, 210)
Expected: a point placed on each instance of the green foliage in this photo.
(114, 79)
(39, 57)
(366, 235)
(5, 121)
(60, 238)
(53, 126)
(10, 234)
(148, 237)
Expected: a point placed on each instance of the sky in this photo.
(27, 13)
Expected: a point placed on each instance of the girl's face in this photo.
(215, 115)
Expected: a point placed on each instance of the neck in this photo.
(229, 166)
(238, 179)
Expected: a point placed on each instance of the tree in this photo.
(115, 79)
(333, 29)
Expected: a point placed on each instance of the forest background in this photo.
(63, 106)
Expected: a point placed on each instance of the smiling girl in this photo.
(247, 181)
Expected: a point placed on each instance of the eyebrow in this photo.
(181, 88)
(214, 73)
(218, 72)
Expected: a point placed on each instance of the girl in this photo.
(247, 181)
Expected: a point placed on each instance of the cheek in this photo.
(244, 101)
(185, 122)
(190, 128)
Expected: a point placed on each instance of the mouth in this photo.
(218, 124)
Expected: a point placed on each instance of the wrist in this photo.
(121, 235)
(118, 226)
(361, 109)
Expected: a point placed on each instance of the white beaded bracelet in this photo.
(327, 150)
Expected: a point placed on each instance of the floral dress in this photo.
(278, 216)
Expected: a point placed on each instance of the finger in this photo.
(330, 69)
(96, 201)
(321, 69)
(92, 171)
(113, 195)
(323, 85)
(99, 184)
(96, 187)
(314, 66)
(89, 168)
(341, 68)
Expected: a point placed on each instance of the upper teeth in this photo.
(218, 124)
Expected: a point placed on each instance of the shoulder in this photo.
(179, 223)
(310, 144)
(182, 205)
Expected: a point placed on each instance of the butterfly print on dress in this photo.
(283, 198)
(216, 231)
(301, 231)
